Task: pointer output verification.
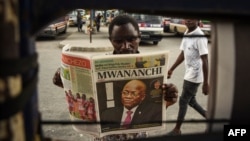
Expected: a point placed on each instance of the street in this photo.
(52, 100)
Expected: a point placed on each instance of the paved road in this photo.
(52, 102)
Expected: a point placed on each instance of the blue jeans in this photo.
(79, 26)
(188, 98)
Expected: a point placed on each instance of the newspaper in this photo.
(94, 84)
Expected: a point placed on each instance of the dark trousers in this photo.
(188, 98)
(98, 27)
(79, 26)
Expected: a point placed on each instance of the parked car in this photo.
(58, 26)
(178, 26)
(151, 27)
(72, 17)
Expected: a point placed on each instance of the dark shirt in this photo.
(79, 18)
(98, 18)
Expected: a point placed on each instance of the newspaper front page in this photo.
(102, 88)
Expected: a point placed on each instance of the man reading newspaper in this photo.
(124, 35)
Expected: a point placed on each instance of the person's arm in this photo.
(205, 86)
(57, 78)
(178, 61)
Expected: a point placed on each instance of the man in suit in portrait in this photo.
(136, 112)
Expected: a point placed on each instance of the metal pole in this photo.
(90, 33)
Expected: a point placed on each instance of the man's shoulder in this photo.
(198, 31)
(151, 105)
(150, 108)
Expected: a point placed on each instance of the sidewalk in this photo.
(99, 42)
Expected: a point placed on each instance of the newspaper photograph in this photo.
(121, 92)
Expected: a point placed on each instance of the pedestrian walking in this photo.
(194, 52)
(98, 22)
(79, 21)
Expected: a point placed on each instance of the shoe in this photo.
(174, 133)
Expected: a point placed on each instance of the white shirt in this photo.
(193, 48)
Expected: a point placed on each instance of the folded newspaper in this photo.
(94, 85)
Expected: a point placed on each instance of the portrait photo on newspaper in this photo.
(130, 104)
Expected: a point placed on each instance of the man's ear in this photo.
(144, 96)
(139, 36)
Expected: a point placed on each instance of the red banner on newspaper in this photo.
(76, 61)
